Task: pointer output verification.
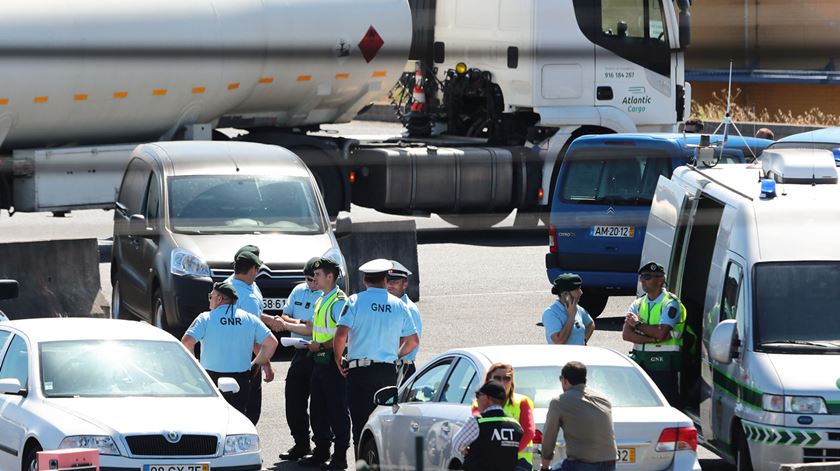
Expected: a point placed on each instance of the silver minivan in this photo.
(185, 208)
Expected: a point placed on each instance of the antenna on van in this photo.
(727, 118)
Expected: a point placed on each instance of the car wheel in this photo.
(743, 462)
(30, 457)
(370, 454)
(159, 312)
(116, 302)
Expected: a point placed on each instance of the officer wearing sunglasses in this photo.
(655, 324)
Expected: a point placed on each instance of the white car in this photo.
(127, 388)
(435, 402)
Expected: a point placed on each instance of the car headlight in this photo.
(186, 263)
(238, 444)
(104, 443)
(794, 404)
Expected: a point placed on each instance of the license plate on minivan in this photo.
(614, 231)
(274, 304)
(177, 467)
(626, 455)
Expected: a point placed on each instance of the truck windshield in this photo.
(796, 306)
(224, 204)
(607, 176)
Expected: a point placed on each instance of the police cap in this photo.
(324, 263)
(566, 282)
(651, 267)
(248, 248)
(226, 288)
(309, 267)
(399, 271)
(493, 389)
(249, 257)
(379, 266)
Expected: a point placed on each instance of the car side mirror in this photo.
(386, 396)
(228, 385)
(9, 289)
(343, 224)
(724, 342)
(137, 225)
(10, 386)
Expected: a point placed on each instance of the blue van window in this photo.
(613, 178)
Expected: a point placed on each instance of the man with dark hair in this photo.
(489, 441)
(765, 133)
(398, 286)
(586, 418)
(227, 337)
(379, 330)
(693, 125)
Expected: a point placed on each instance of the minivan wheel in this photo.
(30, 458)
(159, 313)
(370, 454)
(743, 461)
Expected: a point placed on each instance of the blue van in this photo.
(600, 206)
(827, 138)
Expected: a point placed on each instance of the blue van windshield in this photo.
(612, 176)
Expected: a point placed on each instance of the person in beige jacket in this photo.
(586, 417)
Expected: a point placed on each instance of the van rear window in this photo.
(610, 177)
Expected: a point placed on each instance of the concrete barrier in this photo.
(749, 129)
(828, 466)
(394, 240)
(57, 278)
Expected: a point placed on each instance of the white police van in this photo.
(752, 252)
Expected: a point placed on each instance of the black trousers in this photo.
(362, 384)
(254, 406)
(328, 412)
(240, 399)
(298, 381)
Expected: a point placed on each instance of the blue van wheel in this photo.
(594, 303)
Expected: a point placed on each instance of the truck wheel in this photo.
(743, 462)
(474, 221)
(594, 303)
(330, 179)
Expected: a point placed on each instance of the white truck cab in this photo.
(751, 251)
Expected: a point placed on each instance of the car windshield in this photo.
(607, 176)
(243, 204)
(623, 386)
(120, 368)
(814, 324)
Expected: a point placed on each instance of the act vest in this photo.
(497, 445)
(514, 409)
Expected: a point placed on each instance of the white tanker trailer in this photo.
(83, 81)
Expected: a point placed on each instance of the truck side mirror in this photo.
(724, 341)
(343, 224)
(9, 289)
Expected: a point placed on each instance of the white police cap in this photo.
(399, 270)
(377, 266)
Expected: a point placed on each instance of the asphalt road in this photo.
(478, 288)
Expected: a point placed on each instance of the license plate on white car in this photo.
(614, 231)
(626, 455)
(177, 467)
(274, 304)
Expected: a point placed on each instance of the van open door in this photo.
(666, 226)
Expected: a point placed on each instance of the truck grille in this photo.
(158, 445)
(820, 455)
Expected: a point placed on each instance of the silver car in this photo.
(435, 402)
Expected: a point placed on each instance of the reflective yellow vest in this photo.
(323, 325)
(652, 317)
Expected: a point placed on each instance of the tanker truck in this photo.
(508, 84)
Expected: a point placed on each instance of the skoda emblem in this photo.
(610, 210)
(172, 437)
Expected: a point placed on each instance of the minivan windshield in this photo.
(243, 204)
(615, 177)
(796, 304)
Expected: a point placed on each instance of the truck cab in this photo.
(756, 264)
(602, 199)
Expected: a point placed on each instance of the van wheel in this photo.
(743, 462)
(370, 454)
(30, 457)
(594, 303)
(159, 312)
(474, 221)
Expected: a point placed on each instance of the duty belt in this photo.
(405, 361)
(361, 363)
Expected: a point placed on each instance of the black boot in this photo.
(296, 452)
(316, 459)
(338, 461)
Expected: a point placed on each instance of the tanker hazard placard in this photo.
(371, 44)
